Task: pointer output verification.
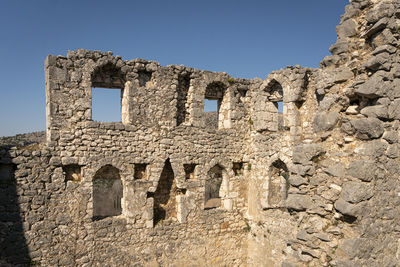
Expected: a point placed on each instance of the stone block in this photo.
(325, 121)
(370, 128)
(346, 29)
(298, 202)
(355, 192)
(363, 169)
(303, 154)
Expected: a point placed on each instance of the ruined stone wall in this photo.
(339, 187)
(161, 153)
(169, 185)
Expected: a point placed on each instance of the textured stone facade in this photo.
(171, 185)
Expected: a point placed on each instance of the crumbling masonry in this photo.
(316, 185)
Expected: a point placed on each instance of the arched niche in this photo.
(212, 193)
(278, 184)
(107, 192)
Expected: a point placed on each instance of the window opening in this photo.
(140, 171)
(72, 172)
(106, 105)
(189, 171)
(107, 91)
(107, 193)
(238, 168)
(182, 89)
(213, 101)
(278, 183)
(144, 77)
(211, 113)
(212, 196)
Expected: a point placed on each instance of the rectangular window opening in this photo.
(211, 109)
(106, 104)
(189, 171)
(238, 168)
(72, 172)
(140, 171)
(279, 107)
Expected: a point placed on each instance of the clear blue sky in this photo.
(245, 38)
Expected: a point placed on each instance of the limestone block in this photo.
(363, 170)
(355, 192)
(346, 208)
(374, 87)
(346, 29)
(379, 111)
(336, 169)
(303, 154)
(298, 202)
(325, 121)
(370, 128)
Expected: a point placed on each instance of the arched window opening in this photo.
(278, 183)
(165, 195)
(108, 84)
(212, 197)
(275, 95)
(215, 109)
(275, 91)
(107, 192)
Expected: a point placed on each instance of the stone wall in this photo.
(342, 185)
(169, 185)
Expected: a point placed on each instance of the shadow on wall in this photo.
(13, 247)
(165, 195)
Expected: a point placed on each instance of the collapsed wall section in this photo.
(340, 192)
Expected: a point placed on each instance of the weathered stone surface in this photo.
(255, 176)
(337, 170)
(358, 247)
(304, 154)
(394, 91)
(346, 208)
(298, 202)
(384, 49)
(339, 48)
(330, 61)
(379, 26)
(374, 87)
(342, 75)
(378, 111)
(391, 136)
(394, 110)
(393, 151)
(297, 180)
(355, 192)
(380, 61)
(370, 128)
(373, 149)
(346, 29)
(325, 121)
(363, 169)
